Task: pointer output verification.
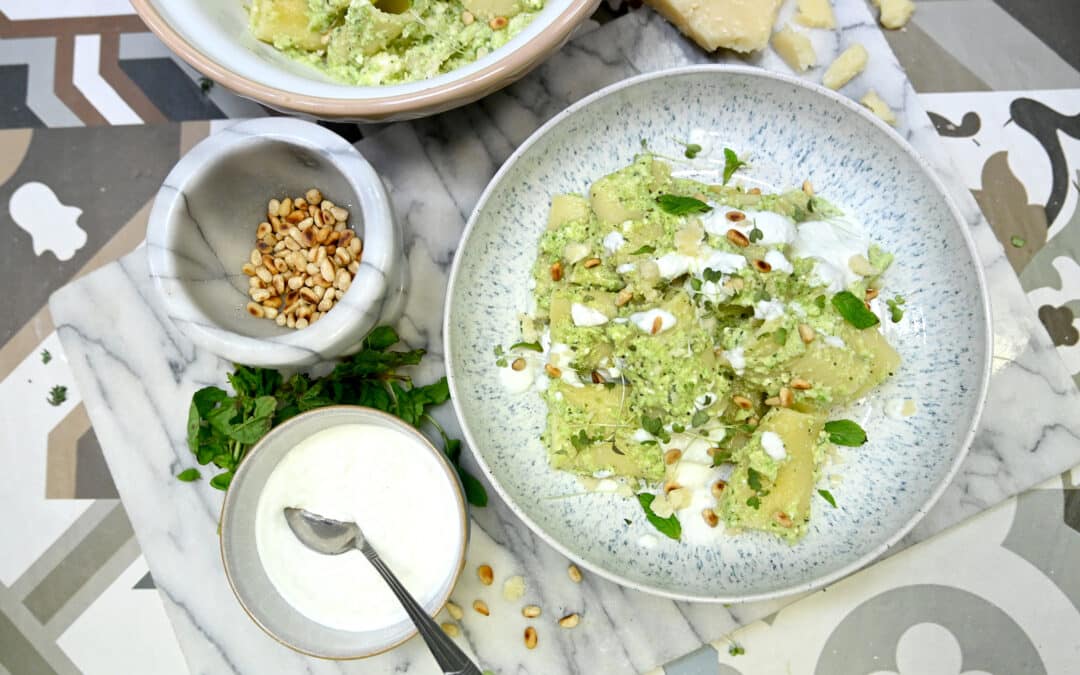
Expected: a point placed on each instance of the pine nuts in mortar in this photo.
(305, 258)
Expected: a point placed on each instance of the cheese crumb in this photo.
(846, 67)
(895, 13)
(583, 315)
(795, 49)
(773, 445)
(816, 14)
(740, 25)
(878, 106)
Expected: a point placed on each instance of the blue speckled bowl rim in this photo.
(958, 221)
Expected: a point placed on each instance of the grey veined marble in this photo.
(137, 373)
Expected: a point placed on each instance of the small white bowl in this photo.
(202, 230)
(248, 577)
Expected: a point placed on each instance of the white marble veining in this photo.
(136, 374)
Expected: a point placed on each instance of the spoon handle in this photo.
(451, 659)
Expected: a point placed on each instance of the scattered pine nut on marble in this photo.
(304, 244)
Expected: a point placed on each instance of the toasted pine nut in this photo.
(248, 269)
(552, 371)
(281, 319)
(454, 610)
(256, 257)
(871, 293)
(450, 629)
(301, 323)
(783, 519)
(786, 397)
(575, 573)
(737, 238)
(518, 364)
(717, 488)
(754, 191)
(592, 262)
(773, 401)
(530, 611)
(481, 607)
(710, 517)
(742, 402)
(255, 310)
(259, 294)
(340, 214)
(326, 304)
(806, 332)
(762, 266)
(670, 486)
(556, 271)
(570, 620)
(624, 296)
(272, 207)
(264, 274)
(801, 384)
(263, 230)
(530, 638)
(808, 187)
(486, 574)
(342, 280)
(295, 283)
(313, 196)
(498, 23)
(736, 216)
(672, 456)
(270, 312)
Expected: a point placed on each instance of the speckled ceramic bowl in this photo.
(202, 230)
(213, 36)
(791, 130)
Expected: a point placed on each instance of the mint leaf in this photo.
(188, 475)
(222, 480)
(678, 205)
(669, 527)
(779, 336)
(846, 433)
(645, 250)
(531, 346)
(692, 150)
(753, 479)
(854, 310)
(756, 235)
(381, 338)
(827, 496)
(699, 419)
(732, 163)
(754, 502)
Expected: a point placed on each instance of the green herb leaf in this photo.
(670, 526)
(736, 649)
(779, 336)
(381, 338)
(692, 150)
(753, 479)
(678, 205)
(820, 302)
(531, 346)
(652, 425)
(699, 419)
(712, 275)
(1018, 242)
(580, 440)
(222, 480)
(695, 283)
(721, 457)
(854, 310)
(45, 356)
(678, 428)
(475, 493)
(645, 250)
(846, 433)
(827, 496)
(754, 502)
(756, 235)
(732, 163)
(188, 475)
(57, 395)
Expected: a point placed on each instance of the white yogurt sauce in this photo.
(775, 228)
(767, 310)
(778, 262)
(645, 320)
(673, 265)
(400, 495)
(583, 315)
(899, 408)
(831, 243)
(518, 381)
(773, 445)
(613, 242)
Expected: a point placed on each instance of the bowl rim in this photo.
(958, 221)
(425, 101)
(463, 512)
(324, 338)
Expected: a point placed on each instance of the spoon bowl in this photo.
(321, 534)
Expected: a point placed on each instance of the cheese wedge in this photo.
(816, 14)
(795, 49)
(846, 66)
(878, 106)
(895, 13)
(740, 25)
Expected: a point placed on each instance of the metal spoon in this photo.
(333, 537)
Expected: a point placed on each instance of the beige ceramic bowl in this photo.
(212, 36)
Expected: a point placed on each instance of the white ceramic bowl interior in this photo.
(219, 30)
(790, 131)
(202, 230)
(243, 566)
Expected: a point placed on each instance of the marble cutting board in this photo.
(137, 373)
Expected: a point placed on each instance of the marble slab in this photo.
(137, 373)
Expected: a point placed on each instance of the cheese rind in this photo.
(740, 25)
(816, 14)
(795, 49)
(895, 13)
(878, 106)
(846, 67)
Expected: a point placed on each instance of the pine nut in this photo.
(284, 208)
(808, 188)
(255, 310)
(717, 488)
(467, 18)
(481, 607)
(570, 621)
(255, 282)
(737, 238)
(274, 302)
(672, 456)
(264, 274)
(280, 320)
(256, 257)
(326, 303)
(552, 371)
(340, 214)
(272, 207)
(270, 312)
(801, 384)
(783, 519)
(710, 517)
(313, 196)
(806, 332)
(556, 271)
(306, 224)
(742, 402)
(248, 269)
(299, 203)
(454, 610)
(530, 611)
(295, 283)
(786, 397)
(301, 323)
(259, 294)
(342, 257)
(326, 268)
(342, 280)
(485, 574)
(530, 638)
(592, 262)
(762, 266)
(498, 23)
(263, 230)
(574, 573)
(736, 216)
(450, 629)
(518, 364)
(354, 268)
